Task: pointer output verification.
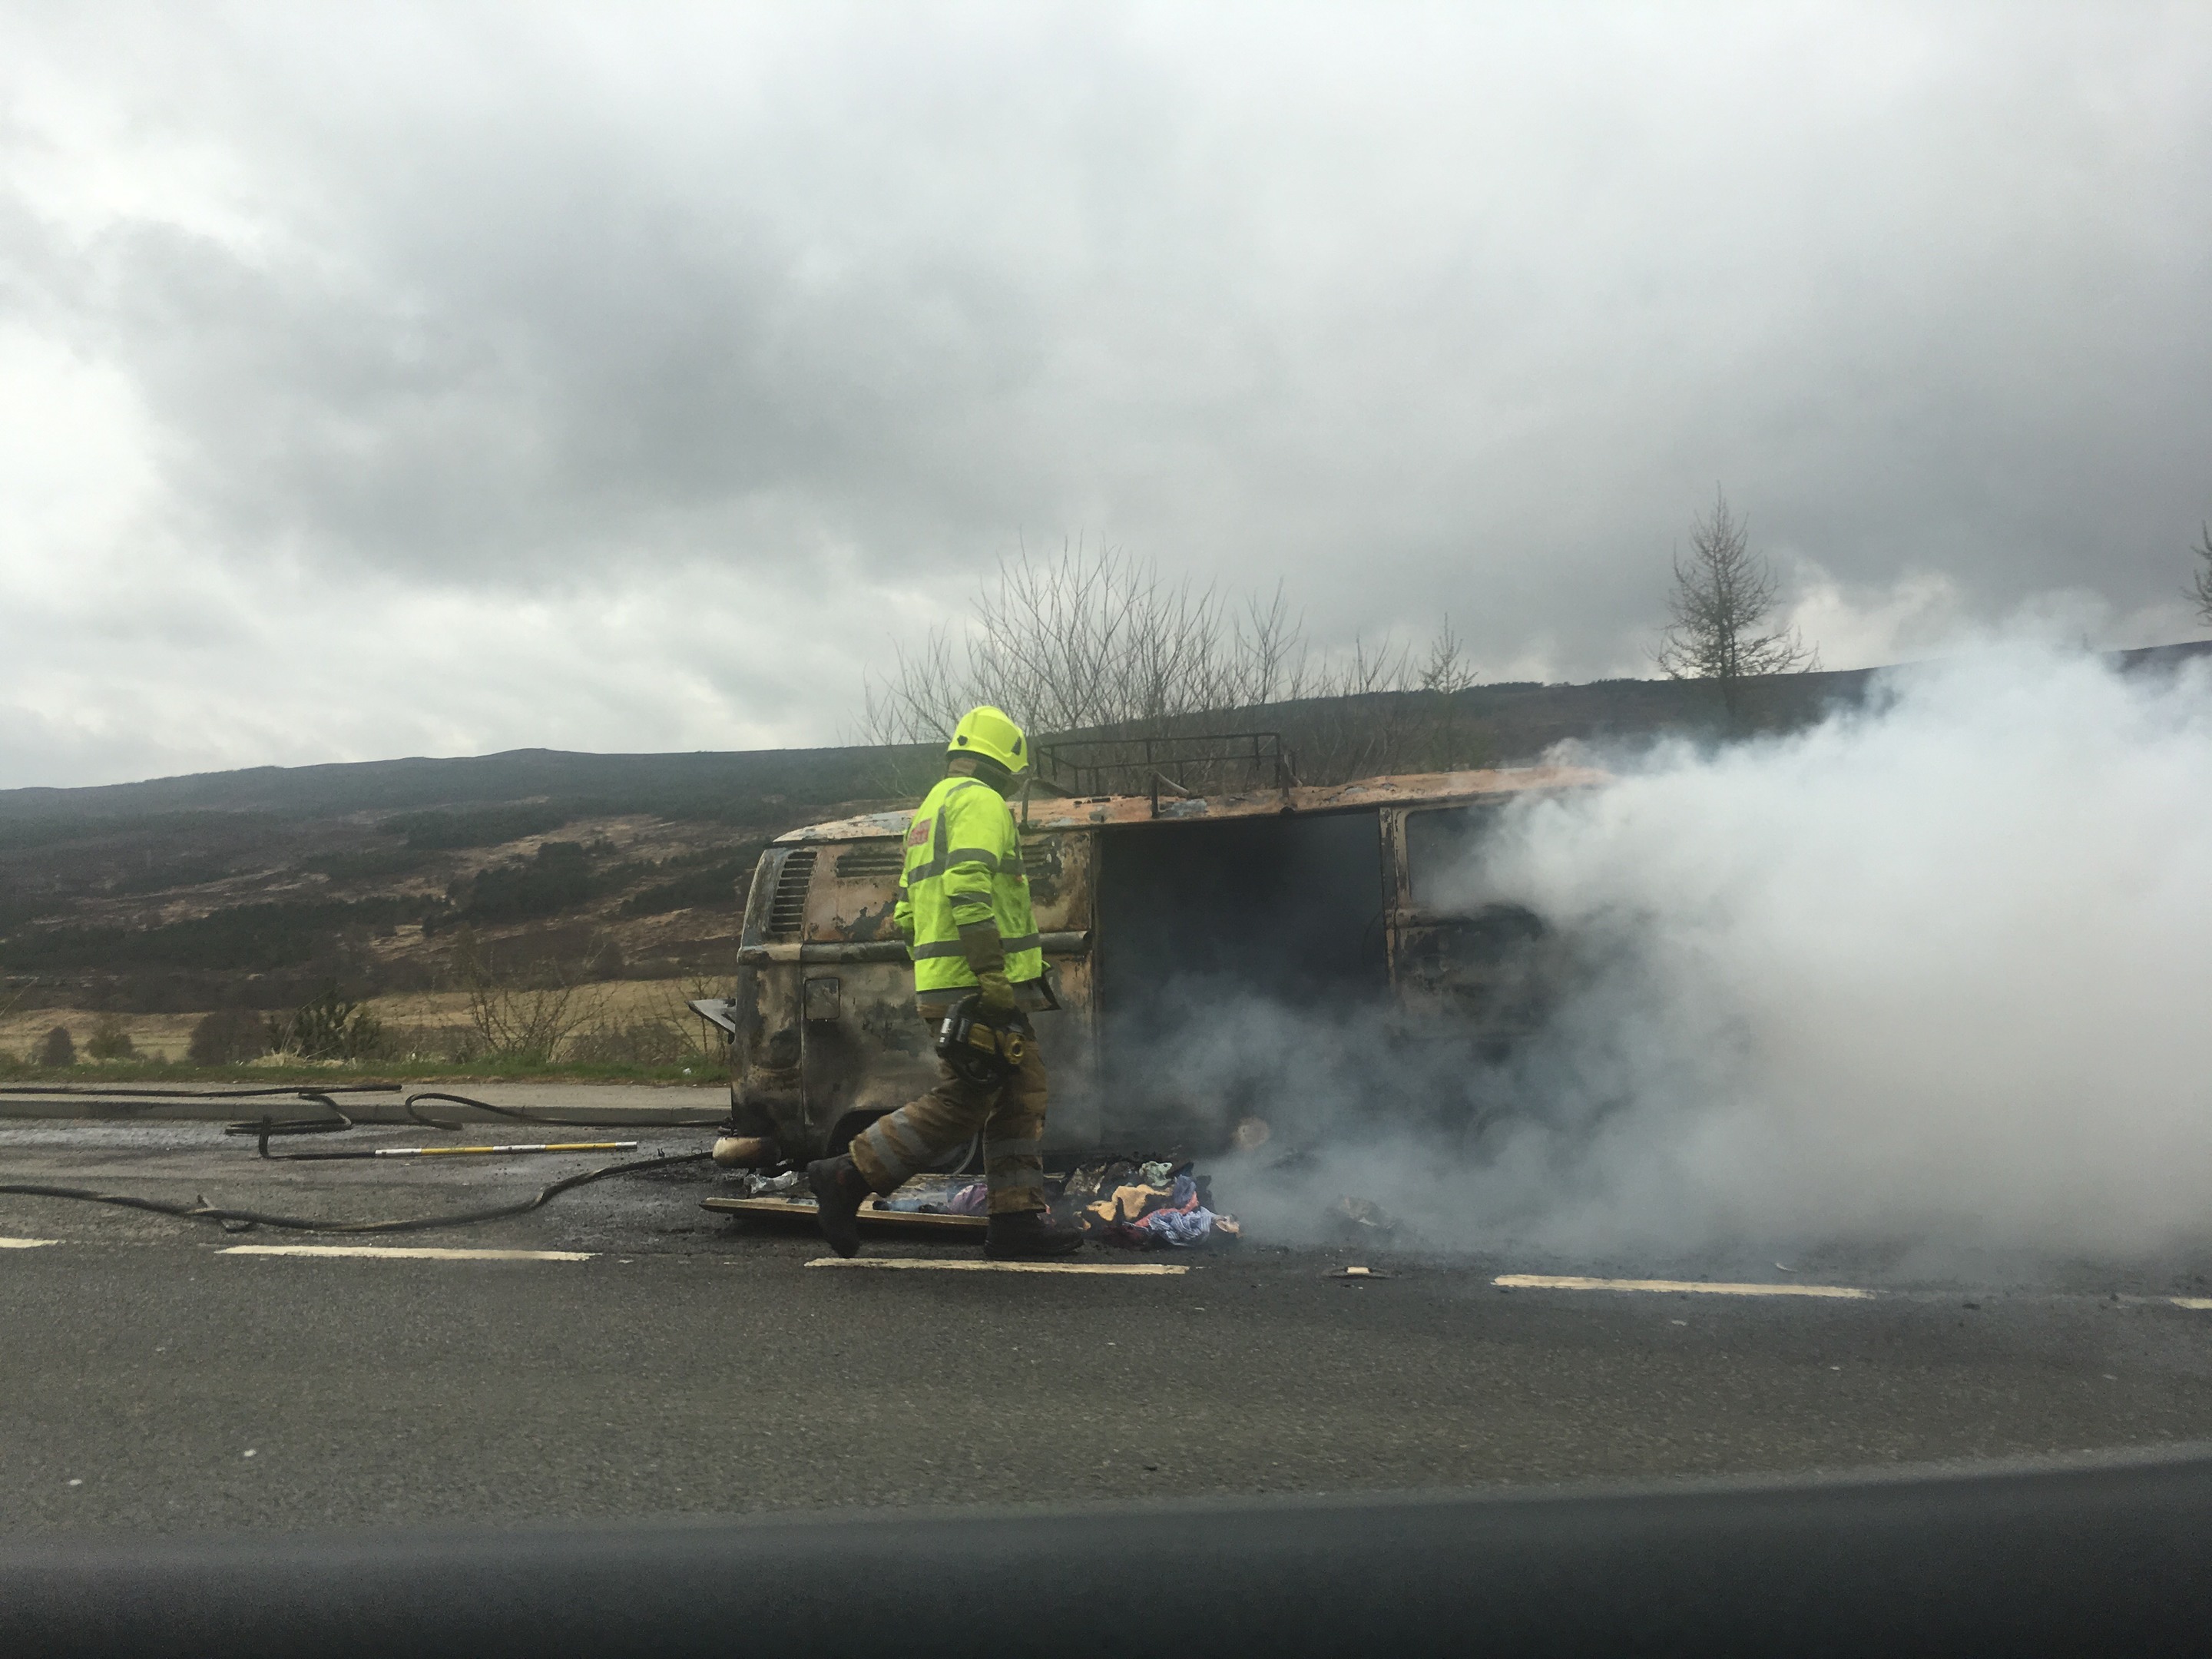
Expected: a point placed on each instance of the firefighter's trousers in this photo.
(923, 1132)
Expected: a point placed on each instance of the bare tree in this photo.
(1723, 606)
(2200, 588)
(527, 1017)
(1093, 641)
(1098, 642)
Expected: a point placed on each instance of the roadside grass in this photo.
(616, 1031)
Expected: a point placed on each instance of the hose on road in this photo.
(201, 1210)
(337, 1119)
(522, 1115)
(117, 1091)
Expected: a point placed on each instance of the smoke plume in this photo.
(1938, 970)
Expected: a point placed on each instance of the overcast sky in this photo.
(447, 379)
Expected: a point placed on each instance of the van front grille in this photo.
(786, 908)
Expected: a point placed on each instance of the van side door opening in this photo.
(1198, 920)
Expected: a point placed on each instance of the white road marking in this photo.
(1147, 1268)
(26, 1243)
(2198, 1301)
(411, 1252)
(1566, 1282)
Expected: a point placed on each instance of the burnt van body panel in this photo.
(1153, 914)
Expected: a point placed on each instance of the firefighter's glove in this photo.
(995, 999)
(981, 944)
(986, 955)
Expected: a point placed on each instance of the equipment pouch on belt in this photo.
(980, 1052)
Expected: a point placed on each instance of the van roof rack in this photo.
(1198, 764)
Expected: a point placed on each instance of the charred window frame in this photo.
(1441, 844)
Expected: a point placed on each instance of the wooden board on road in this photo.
(799, 1209)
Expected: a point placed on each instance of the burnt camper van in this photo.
(1157, 908)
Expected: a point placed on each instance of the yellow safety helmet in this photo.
(992, 733)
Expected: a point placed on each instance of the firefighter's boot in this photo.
(839, 1188)
(1029, 1236)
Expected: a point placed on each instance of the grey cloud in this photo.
(1463, 311)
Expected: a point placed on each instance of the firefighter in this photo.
(963, 907)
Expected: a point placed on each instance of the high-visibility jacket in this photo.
(963, 865)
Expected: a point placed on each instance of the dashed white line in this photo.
(2198, 1301)
(1569, 1282)
(1131, 1269)
(407, 1252)
(26, 1243)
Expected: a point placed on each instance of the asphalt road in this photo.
(686, 1365)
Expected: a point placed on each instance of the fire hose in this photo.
(233, 1220)
(521, 1115)
(337, 1119)
(318, 1095)
(263, 1128)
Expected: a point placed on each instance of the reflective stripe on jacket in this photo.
(963, 864)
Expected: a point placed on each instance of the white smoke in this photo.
(1939, 969)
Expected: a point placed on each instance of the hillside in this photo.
(254, 887)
